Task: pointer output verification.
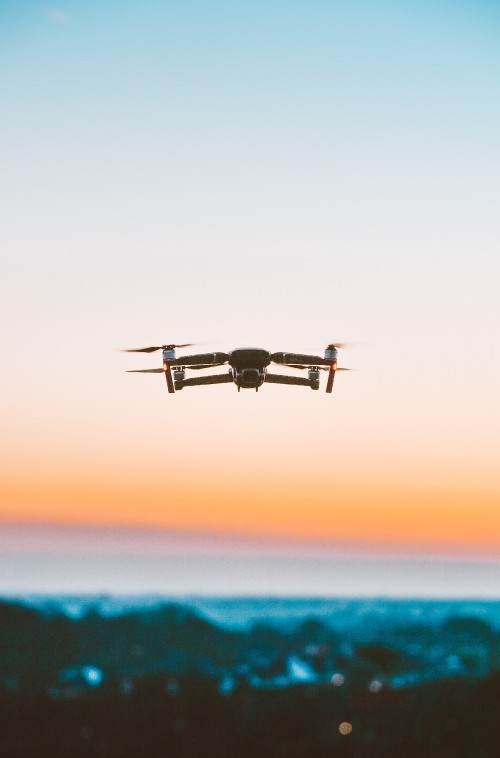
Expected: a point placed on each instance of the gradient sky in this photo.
(279, 174)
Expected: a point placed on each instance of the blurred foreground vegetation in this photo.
(166, 682)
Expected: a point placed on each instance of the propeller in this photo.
(195, 368)
(166, 371)
(146, 371)
(156, 347)
(319, 368)
(204, 365)
(301, 366)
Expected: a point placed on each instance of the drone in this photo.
(248, 367)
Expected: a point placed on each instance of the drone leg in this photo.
(331, 377)
(168, 377)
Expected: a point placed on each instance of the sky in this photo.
(276, 174)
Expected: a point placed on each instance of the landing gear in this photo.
(168, 377)
(331, 377)
(331, 357)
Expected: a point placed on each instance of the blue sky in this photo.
(282, 174)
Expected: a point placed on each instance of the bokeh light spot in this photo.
(338, 680)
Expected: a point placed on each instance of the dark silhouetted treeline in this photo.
(167, 683)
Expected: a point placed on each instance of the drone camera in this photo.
(250, 377)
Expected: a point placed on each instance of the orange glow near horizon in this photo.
(453, 521)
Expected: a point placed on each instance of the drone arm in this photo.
(209, 359)
(197, 380)
(299, 358)
(281, 379)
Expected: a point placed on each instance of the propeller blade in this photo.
(301, 366)
(204, 365)
(142, 349)
(146, 371)
(341, 345)
(319, 368)
(156, 347)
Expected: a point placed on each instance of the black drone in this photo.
(248, 367)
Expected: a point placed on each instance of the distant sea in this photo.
(242, 612)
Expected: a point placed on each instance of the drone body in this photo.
(248, 367)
